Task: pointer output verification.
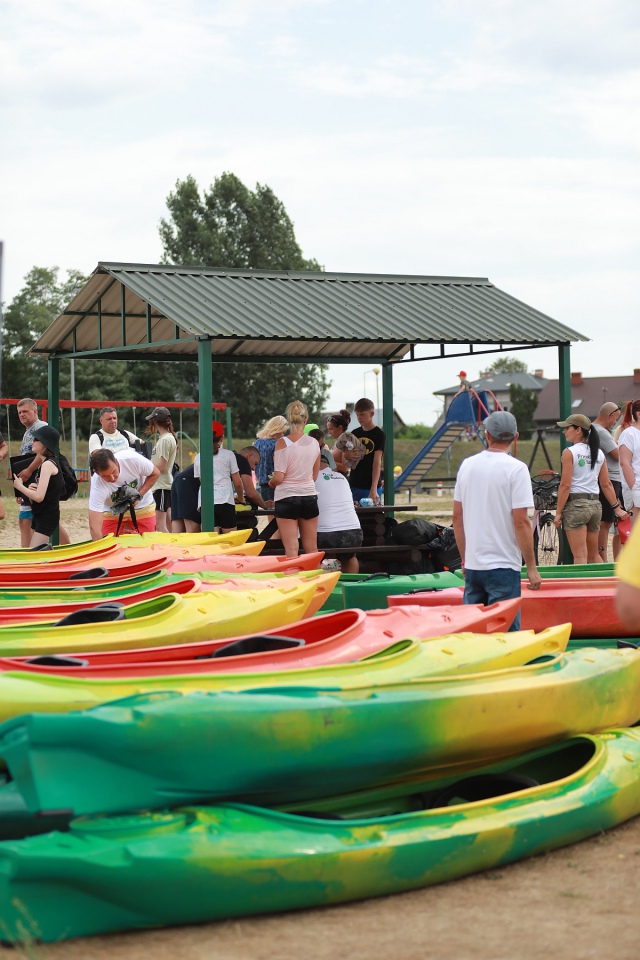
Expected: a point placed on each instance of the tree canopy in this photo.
(508, 365)
(229, 225)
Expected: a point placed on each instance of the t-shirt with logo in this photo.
(111, 441)
(27, 440)
(134, 470)
(335, 502)
(362, 473)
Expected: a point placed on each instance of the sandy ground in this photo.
(580, 902)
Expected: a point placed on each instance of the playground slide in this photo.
(461, 415)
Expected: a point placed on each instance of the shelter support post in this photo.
(387, 426)
(205, 397)
(564, 385)
(53, 414)
(227, 428)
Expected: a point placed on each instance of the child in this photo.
(365, 474)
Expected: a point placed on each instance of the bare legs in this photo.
(289, 533)
(584, 545)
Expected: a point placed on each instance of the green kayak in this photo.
(563, 571)
(371, 592)
(194, 865)
(283, 744)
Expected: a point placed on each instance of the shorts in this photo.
(162, 499)
(297, 508)
(340, 538)
(632, 497)
(25, 513)
(608, 515)
(582, 513)
(145, 524)
(184, 496)
(225, 515)
(47, 524)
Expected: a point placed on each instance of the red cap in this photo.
(218, 429)
(463, 374)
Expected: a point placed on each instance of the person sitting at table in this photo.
(265, 444)
(318, 435)
(338, 524)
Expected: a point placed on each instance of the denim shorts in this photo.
(489, 586)
(297, 508)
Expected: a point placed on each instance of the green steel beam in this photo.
(205, 397)
(227, 428)
(564, 385)
(387, 426)
(81, 314)
(53, 415)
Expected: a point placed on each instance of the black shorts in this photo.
(225, 515)
(162, 499)
(340, 538)
(608, 515)
(297, 508)
(46, 523)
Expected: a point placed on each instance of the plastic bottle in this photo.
(366, 502)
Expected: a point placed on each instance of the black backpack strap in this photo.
(130, 438)
(100, 436)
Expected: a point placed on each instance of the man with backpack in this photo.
(109, 437)
(28, 417)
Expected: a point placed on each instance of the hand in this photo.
(534, 578)
(268, 504)
(557, 520)
(24, 475)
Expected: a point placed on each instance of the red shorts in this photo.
(145, 524)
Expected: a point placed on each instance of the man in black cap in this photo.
(490, 518)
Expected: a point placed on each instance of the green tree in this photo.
(508, 365)
(523, 406)
(232, 226)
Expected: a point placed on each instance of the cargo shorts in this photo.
(582, 513)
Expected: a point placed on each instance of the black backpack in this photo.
(68, 477)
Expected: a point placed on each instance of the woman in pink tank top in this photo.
(296, 460)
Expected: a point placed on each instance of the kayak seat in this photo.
(41, 547)
(257, 644)
(102, 613)
(95, 573)
(57, 660)
(484, 786)
(626, 645)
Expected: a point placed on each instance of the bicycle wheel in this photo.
(546, 543)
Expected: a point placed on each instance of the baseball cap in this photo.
(218, 429)
(576, 420)
(311, 426)
(501, 425)
(47, 435)
(161, 413)
(324, 458)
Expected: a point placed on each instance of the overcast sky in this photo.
(446, 137)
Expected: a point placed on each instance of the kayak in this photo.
(591, 609)
(210, 863)
(341, 637)
(372, 591)
(575, 570)
(466, 653)
(250, 564)
(40, 613)
(170, 619)
(89, 548)
(283, 745)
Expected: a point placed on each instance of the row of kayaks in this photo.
(191, 749)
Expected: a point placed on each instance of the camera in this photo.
(126, 496)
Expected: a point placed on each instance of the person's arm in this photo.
(524, 536)
(625, 465)
(251, 495)
(4, 450)
(149, 481)
(37, 492)
(94, 443)
(162, 464)
(278, 475)
(95, 524)
(565, 486)
(375, 475)
(316, 469)
(237, 482)
(607, 488)
(341, 465)
(628, 606)
(28, 472)
(458, 530)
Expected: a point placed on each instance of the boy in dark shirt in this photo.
(365, 475)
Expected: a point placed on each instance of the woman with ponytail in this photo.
(297, 461)
(163, 456)
(583, 470)
(629, 445)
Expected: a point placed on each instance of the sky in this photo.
(431, 137)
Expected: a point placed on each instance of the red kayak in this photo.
(230, 563)
(118, 565)
(341, 637)
(591, 609)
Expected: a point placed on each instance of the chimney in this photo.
(539, 374)
(636, 375)
(576, 379)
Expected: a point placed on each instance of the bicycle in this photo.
(547, 542)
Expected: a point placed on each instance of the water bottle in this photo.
(366, 502)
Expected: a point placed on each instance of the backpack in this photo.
(68, 477)
(142, 447)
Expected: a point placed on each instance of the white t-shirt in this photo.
(490, 485)
(584, 479)
(224, 465)
(630, 438)
(112, 441)
(134, 469)
(166, 447)
(335, 502)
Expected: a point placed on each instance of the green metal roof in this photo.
(150, 310)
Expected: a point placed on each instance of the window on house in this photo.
(576, 404)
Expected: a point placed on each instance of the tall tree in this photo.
(523, 406)
(232, 226)
(508, 365)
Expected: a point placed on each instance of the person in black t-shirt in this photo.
(365, 475)
(248, 459)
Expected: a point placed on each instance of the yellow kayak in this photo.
(165, 620)
(404, 662)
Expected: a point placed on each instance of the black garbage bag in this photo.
(415, 532)
(443, 550)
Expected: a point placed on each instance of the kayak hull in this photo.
(211, 863)
(282, 745)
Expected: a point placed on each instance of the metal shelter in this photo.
(130, 311)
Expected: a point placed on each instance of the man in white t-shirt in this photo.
(109, 436)
(338, 524)
(111, 472)
(490, 520)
